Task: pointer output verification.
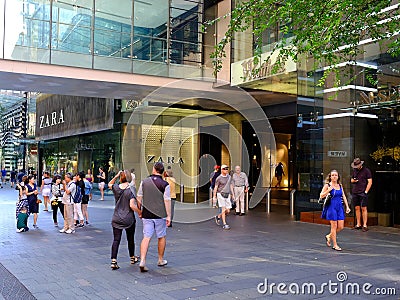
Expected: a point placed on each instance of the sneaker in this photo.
(237, 213)
(20, 230)
(217, 221)
(55, 224)
(87, 223)
(35, 226)
(226, 227)
(364, 229)
(162, 263)
(69, 231)
(62, 230)
(242, 214)
(80, 225)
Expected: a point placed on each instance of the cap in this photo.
(356, 163)
(224, 166)
(216, 167)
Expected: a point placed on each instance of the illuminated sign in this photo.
(384, 95)
(337, 153)
(252, 69)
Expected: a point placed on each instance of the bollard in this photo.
(292, 202)
(268, 201)
(196, 193)
(247, 201)
(182, 190)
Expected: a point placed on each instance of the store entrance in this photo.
(281, 177)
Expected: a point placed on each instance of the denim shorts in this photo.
(159, 226)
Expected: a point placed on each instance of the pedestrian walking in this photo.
(46, 189)
(222, 194)
(13, 177)
(362, 182)
(102, 182)
(154, 201)
(169, 177)
(33, 200)
(78, 215)
(3, 176)
(334, 212)
(213, 176)
(57, 191)
(70, 191)
(123, 217)
(279, 172)
(86, 199)
(240, 185)
(89, 177)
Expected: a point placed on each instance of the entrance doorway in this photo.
(284, 134)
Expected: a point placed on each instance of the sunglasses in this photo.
(225, 168)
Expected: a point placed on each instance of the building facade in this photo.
(112, 58)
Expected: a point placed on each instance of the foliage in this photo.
(329, 31)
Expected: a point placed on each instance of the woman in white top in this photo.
(57, 191)
(46, 189)
(102, 182)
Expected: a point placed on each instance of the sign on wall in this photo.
(337, 153)
(60, 115)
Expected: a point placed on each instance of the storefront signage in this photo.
(168, 159)
(63, 116)
(8, 124)
(130, 105)
(253, 69)
(337, 153)
(55, 118)
(384, 95)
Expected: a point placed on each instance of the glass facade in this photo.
(145, 37)
(335, 124)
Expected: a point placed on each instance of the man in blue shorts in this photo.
(154, 200)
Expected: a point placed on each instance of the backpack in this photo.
(88, 187)
(77, 197)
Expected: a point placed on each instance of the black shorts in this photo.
(360, 200)
(85, 199)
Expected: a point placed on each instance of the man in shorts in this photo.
(222, 194)
(154, 200)
(362, 182)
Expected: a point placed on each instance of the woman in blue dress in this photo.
(334, 212)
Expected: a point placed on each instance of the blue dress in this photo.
(334, 211)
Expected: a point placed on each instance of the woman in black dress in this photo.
(31, 194)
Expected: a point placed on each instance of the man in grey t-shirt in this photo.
(240, 186)
(222, 191)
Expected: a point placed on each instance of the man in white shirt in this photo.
(70, 190)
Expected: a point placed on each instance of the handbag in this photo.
(225, 195)
(325, 201)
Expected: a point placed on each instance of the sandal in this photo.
(337, 248)
(162, 263)
(328, 240)
(143, 269)
(134, 259)
(114, 264)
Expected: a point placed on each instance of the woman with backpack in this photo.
(123, 217)
(57, 191)
(86, 199)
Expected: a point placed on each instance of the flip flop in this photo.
(337, 248)
(328, 240)
(162, 263)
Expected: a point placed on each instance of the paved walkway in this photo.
(205, 262)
